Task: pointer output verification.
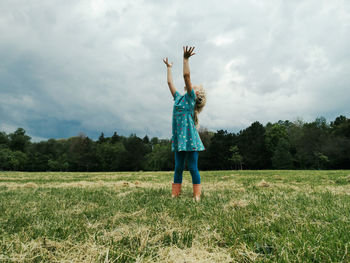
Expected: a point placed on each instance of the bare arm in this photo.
(170, 76)
(186, 68)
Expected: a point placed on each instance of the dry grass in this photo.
(194, 254)
(30, 185)
(340, 189)
(138, 221)
(262, 183)
(85, 184)
(237, 204)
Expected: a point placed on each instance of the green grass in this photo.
(244, 216)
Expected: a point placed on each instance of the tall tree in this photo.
(309, 143)
(251, 142)
(282, 158)
(101, 138)
(136, 150)
(341, 126)
(82, 154)
(160, 159)
(19, 141)
(236, 157)
(110, 156)
(115, 138)
(274, 132)
(4, 140)
(217, 155)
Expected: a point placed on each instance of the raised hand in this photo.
(169, 65)
(188, 52)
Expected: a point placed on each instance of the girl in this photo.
(186, 142)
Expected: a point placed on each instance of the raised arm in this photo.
(186, 68)
(170, 76)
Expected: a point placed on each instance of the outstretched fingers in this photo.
(166, 61)
(188, 51)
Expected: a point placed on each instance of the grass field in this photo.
(244, 216)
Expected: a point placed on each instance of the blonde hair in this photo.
(201, 100)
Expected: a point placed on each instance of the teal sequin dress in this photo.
(185, 136)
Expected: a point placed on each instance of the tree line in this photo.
(279, 145)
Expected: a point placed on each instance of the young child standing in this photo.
(186, 142)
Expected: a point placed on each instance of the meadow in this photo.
(244, 216)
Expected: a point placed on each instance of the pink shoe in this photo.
(197, 192)
(176, 190)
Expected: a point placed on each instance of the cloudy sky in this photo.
(96, 66)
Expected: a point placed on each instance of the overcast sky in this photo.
(96, 66)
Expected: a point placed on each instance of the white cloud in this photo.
(228, 37)
(100, 62)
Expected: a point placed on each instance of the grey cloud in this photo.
(97, 66)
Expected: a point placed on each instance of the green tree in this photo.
(341, 126)
(251, 143)
(115, 138)
(82, 154)
(337, 150)
(53, 165)
(12, 160)
(136, 150)
(160, 159)
(236, 158)
(307, 139)
(322, 160)
(146, 140)
(63, 162)
(4, 140)
(19, 141)
(110, 156)
(101, 138)
(217, 155)
(5, 159)
(282, 158)
(205, 136)
(274, 132)
(154, 141)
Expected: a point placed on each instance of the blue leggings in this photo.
(192, 159)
